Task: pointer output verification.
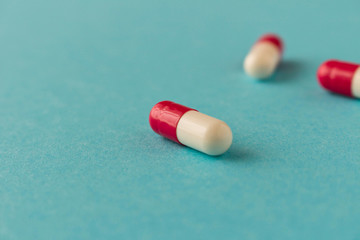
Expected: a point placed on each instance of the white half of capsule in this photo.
(204, 133)
(262, 60)
(355, 84)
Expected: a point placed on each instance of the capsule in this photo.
(264, 56)
(191, 128)
(340, 77)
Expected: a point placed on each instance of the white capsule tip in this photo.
(262, 60)
(218, 139)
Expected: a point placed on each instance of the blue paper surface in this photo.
(78, 159)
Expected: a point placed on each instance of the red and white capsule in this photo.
(340, 77)
(264, 56)
(191, 128)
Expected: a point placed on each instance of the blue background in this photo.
(78, 159)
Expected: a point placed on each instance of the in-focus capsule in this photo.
(191, 128)
(340, 77)
(264, 56)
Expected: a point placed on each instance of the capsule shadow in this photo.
(234, 154)
(287, 71)
(342, 96)
(237, 154)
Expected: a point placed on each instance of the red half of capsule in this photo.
(164, 118)
(337, 76)
(274, 39)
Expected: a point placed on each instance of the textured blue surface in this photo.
(78, 159)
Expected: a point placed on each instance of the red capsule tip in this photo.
(164, 117)
(336, 76)
(323, 73)
(274, 39)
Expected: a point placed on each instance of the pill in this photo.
(191, 128)
(264, 56)
(340, 77)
